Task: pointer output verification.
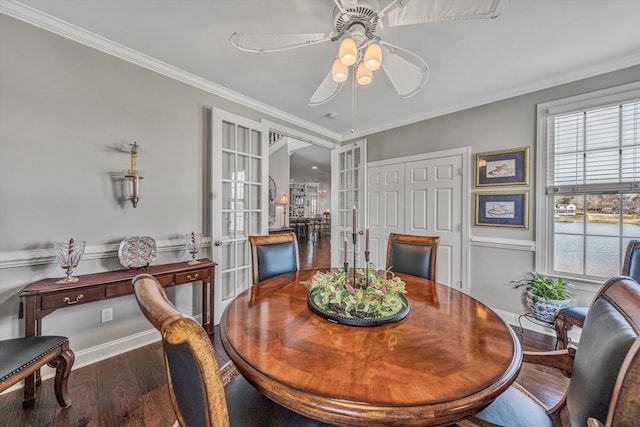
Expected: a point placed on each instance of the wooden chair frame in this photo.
(176, 328)
(422, 240)
(272, 238)
(564, 323)
(623, 408)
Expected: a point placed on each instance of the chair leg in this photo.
(29, 391)
(562, 332)
(63, 364)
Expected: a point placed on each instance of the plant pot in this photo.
(546, 310)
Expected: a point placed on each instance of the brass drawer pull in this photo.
(69, 302)
(192, 279)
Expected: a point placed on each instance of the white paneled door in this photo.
(348, 172)
(239, 176)
(385, 199)
(422, 197)
(434, 208)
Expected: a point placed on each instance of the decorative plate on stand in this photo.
(137, 252)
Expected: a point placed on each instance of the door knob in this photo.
(218, 243)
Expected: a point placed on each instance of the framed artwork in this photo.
(502, 209)
(504, 167)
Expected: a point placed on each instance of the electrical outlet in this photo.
(107, 315)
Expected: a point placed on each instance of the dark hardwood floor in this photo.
(130, 389)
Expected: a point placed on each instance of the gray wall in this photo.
(500, 125)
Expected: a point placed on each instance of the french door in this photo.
(348, 172)
(239, 202)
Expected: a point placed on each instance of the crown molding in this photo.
(32, 16)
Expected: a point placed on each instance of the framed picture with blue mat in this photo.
(502, 209)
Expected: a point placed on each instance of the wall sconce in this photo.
(133, 176)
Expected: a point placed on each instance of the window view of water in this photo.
(597, 254)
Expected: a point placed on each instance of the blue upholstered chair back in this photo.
(631, 266)
(274, 255)
(415, 255)
(610, 329)
(275, 259)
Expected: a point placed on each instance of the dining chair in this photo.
(197, 393)
(604, 371)
(415, 255)
(569, 317)
(21, 357)
(273, 255)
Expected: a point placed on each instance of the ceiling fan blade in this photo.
(409, 12)
(407, 72)
(267, 42)
(326, 91)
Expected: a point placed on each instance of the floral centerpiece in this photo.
(376, 298)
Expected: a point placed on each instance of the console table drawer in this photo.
(72, 297)
(192, 276)
(166, 280)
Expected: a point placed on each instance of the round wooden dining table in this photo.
(450, 357)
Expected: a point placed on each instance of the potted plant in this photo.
(546, 296)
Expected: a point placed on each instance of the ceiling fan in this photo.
(355, 24)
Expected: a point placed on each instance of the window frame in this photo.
(544, 202)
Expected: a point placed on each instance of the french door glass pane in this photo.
(227, 195)
(227, 226)
(244, 257)
(256, 171)
(256, 143)
(228, 165)
(244, 279)
(228, 256)
(228, 285)
(256, 196)
(228, 136)
(255, 222)
(243, 168)
(243, 139)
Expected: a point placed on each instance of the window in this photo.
(588, 183)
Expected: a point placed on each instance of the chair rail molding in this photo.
(30, 257)
(499, 243)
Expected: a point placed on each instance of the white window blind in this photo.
(594, 150)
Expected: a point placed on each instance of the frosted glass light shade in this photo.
(373, 57)
(339, 72)
(348, 52)
(363, 75)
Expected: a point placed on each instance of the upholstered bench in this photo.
(21, 357)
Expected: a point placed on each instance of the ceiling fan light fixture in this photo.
(348, 52)
(339, 71)
(363, 75)
(373, 57)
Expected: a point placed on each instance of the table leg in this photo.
(32, 327)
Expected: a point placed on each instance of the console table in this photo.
(45, 296)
